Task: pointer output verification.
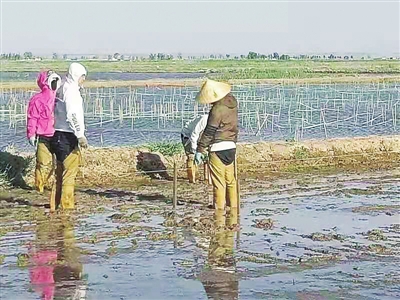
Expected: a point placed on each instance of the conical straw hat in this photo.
(212, 91)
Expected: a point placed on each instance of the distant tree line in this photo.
(16, 56)
(163, 56)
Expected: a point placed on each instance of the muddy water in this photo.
(266, 113)
(296, 241)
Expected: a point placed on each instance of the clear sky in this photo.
(195, 27)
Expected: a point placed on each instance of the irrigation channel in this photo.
(312, 237)
(129, 116)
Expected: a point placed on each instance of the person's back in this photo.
(192, 131)
(40, 114)
(219, 139)
(190, 134)
(68, 110)
(190, 125)
(60, 111)
(68, 137)
(40, 126)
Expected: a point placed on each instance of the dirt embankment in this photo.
(123, 165)
(129, 166)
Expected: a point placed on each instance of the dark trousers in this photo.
(62, 144)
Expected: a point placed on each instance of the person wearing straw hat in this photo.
(40, 126)
(190, 134)
(219, 138)
(69, 136)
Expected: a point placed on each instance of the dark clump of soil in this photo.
(265, 224)
(323, 237)
(376, 235)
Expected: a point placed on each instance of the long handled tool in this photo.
(237, 186)
(82, 160)
(54, 184)
(238, 204)
(207, 179)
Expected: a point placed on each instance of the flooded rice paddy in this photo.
(333, 237)
(132, 116)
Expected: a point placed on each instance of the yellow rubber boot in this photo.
(217, 174)
(67, 197)
(71, 166)
(44, 166)
(231, 186)
(55, 197)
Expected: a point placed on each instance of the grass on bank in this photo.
(234, 71)
(237, 68)
(13, 168)
(165, 148)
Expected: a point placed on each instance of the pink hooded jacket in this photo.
(40, 114)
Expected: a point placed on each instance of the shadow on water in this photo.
(111, 193)
(219, 278)
(55, 269)
(124, 195)
(17, 201)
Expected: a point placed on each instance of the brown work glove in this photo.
(83, 143)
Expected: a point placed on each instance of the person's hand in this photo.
(83, 143)
(198, 158)
(33, 141)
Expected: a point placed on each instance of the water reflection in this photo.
(56, 270)
(220, 280)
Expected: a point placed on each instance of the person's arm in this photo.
(197, 130)
(75, 117)
(213, 122)
(32, 119)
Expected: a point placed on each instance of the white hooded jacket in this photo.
(68, 113)
(194, 128)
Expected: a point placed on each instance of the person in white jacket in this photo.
(68, 137)
(190, 134)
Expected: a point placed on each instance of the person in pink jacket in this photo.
(40, 126)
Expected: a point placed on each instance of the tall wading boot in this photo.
(207, 178)
(44, 166)
(217, 174)
(55, 197)
(71, 166)
(231, 186)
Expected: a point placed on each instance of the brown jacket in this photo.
(222, 124)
